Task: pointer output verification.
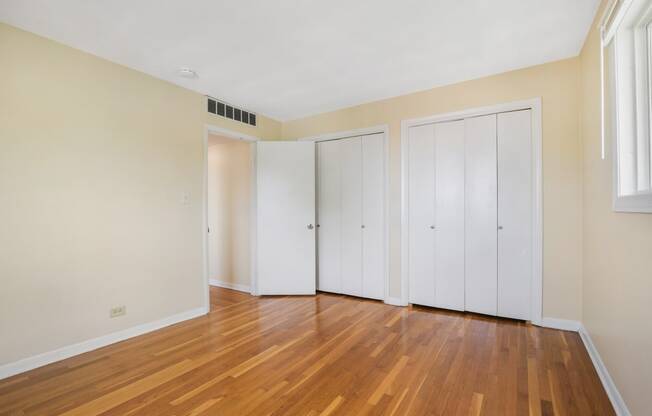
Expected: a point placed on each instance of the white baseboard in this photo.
(228, 285)
(30, 363)
(395, 301)
(607, 382)
(563, 324)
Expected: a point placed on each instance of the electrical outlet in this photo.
(118, 311)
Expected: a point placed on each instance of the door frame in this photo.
(365, 131)
(533, 104)
(233, 135)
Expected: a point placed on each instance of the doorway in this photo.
(229, 203)
(266, 244)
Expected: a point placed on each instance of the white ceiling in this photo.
(292, 58)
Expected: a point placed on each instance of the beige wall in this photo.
(229, 202)
(617, 283)
(94, 160)
(558, 85)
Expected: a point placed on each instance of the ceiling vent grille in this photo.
(222, 109)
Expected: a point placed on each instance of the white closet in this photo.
(515, 213)
(351, 203)
(470, 214)
(481, 236)
(436, 215)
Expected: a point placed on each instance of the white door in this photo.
(285, 206)
(449, 215)
(351, 215)
(481, 215)
(329, 276)
(514, 214)
(421, 218)
(373, 213)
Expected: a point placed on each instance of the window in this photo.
(629, 39)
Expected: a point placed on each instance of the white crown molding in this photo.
(30, 363)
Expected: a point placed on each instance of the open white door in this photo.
(285, 189)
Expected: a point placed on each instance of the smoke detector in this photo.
(187, 73)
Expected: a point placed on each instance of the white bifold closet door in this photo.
(351, 215)
(470, 214)
(351, 205)
(499, 214)
(449, 215)
(514, 214)
(436, 215)
(481, 235)
(373, 216)
(421, 215)
(329, 218)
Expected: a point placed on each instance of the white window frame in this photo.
(630, 40)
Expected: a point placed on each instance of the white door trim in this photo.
(234, 135)
(381, 128)
(537, 196)
(384, 129)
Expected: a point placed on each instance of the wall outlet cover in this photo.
(118, 311)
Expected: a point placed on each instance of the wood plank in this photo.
(322, 355)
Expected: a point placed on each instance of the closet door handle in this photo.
(310, 226)
(432, 227)
(500, 227)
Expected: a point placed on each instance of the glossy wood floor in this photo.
(323, 355)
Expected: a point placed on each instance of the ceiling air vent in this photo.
(228, 111)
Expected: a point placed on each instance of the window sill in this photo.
(633, 203)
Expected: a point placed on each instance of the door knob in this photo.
(310, 226)
(432, 227)
(362, 226)
(500, 227)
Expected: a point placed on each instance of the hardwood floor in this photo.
(322, 355)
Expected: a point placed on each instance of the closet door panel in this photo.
(328, 206)
(373, 202)
(351, 215)
(449, 215)
(421, 208)
(481, 257)
(514, 214)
